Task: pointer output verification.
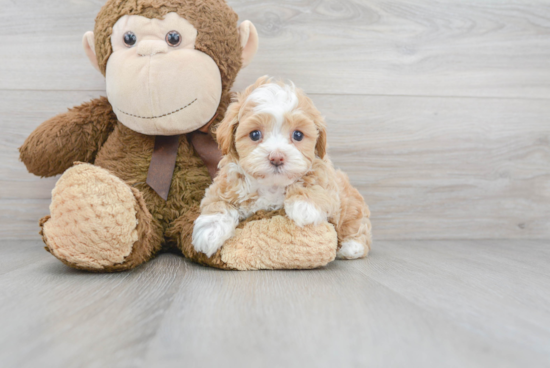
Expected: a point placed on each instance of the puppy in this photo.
(274, 143)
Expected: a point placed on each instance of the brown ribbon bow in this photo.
(165, 154)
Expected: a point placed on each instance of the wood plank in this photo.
(411, 304)
(62, 317)
(419, 47)
(430, 168)
(474, 283)
(444, 168)
(19, 254)
(20, 217)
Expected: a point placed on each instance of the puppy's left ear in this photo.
(225, 132)
(321, 145)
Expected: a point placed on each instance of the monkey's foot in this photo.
(94, 219)
(278, 243)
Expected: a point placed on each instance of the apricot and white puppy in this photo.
(274, 142)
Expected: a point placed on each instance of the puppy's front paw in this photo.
(211, 231)
(304, 213)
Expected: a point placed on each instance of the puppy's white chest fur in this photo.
(266, 198)
(270, 198)
(252, 195)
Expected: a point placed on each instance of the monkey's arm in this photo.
(76, 135)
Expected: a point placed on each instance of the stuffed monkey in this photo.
(136, 164)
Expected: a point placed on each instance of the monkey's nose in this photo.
(151, 47)
(277, 159)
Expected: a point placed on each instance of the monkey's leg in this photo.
(98, 223)
(266, 241)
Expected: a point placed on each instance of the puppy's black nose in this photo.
(277, 159)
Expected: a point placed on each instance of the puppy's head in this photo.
(274, 132)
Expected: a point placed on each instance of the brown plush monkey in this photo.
(145, 154)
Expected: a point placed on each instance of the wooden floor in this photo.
(439, 110)
(411, 304)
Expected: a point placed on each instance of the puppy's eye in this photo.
(256, 135)
(173, 38)
(298, 136)
(130, 39)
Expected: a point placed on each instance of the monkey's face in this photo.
(157, 83)
(169, 64)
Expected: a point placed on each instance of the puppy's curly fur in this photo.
(274, 142)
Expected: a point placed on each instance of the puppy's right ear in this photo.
(225, 132)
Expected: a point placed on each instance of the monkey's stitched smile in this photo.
(160, 116)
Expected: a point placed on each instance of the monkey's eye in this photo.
(173, 38)
(256, 135)
(130, 39)
(298, 136)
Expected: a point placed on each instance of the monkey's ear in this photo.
(249, 41)
(89, 48)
